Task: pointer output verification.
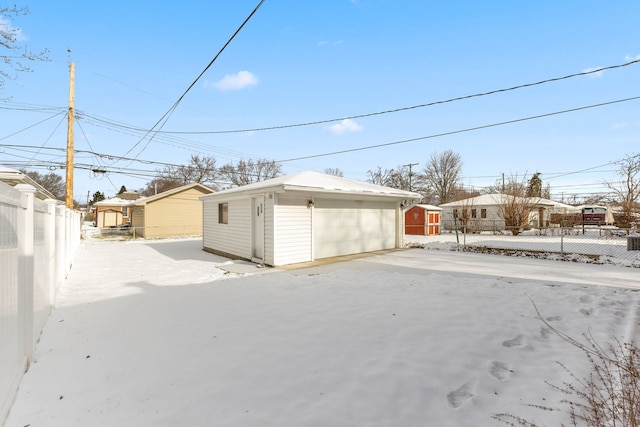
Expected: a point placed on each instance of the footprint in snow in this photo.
(545, 333)
(500, 370)
(588, 311)
(515, 342)
(586, 299)
(460, 396)
(553, 318)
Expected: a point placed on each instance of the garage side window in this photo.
(223, 213)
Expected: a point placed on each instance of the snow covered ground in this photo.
(160, 333)
(602, 245)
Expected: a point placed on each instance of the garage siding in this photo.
(232, 238)
(343, 227)
(269, 201)
(177, 215)
(137, 220)
(293, 230)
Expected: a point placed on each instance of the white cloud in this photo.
(593, 75)
(10, 29)
(240, 80)
(618, 126)
(631, 58)
(346, 125)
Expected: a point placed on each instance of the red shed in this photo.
(423, 220)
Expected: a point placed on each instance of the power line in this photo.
(163, 120)
(404, 141)
(33, 125)
(397, 110)
(160, 137)
(102, 155)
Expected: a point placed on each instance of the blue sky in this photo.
(301, 61)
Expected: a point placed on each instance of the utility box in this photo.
(633, 243)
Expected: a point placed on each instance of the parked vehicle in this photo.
(596, 215)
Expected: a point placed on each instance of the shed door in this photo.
(257, 222)
(110, 219)
(434, 223)
(342, 227)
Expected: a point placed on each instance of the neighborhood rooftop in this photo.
(318, 182)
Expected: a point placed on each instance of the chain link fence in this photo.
(150, 232)
(589, 244)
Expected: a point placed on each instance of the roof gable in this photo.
(495, 199)
(203, 188)
(427, 207)
(318, 182)
(114, 201)
(13, 177)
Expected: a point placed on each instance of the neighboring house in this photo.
(176, 212)
(423, 220)
(114, 212)
(13, 177)
(484, 213)
(304, 217)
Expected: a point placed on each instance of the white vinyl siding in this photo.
(343, 227)
(269, 209)
(293, 231)
(233, 238)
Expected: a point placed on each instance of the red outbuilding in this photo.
(423, 220)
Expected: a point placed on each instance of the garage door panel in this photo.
(343, 227)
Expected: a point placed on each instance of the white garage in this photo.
(304, 217)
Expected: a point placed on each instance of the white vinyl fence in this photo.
(37, 243)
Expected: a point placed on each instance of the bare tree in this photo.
(200, 169)
(159, 185)
(250, 171)
(395, 178)
(515, 207)
(52, 182)
(627, 191)
(334, 172)
(442, 175)
(379, 176)
(401, 179)
(14, 56)
(465, 215)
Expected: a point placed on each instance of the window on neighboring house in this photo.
(223, 213)
(455, 213)
(125, 211)
(483, 213)
(473, 213)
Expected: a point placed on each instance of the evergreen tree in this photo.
(97, 196)
(534, 186)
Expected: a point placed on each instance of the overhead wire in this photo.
(161, 137)
(49, 137)
(163, 120)
(413, 107)
(459, 131)
(32, 126)
(93, 153)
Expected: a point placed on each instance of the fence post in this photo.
(25, 267)
(60, 244)
(561, 240)
(50, 239)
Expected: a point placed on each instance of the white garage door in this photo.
(343, 227)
